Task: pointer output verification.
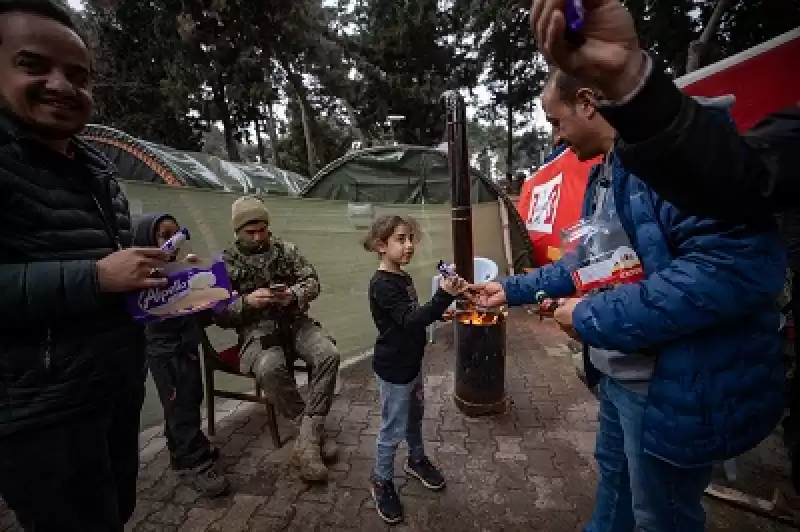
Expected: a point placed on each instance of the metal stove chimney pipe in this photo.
(460, 183)
(480, 346)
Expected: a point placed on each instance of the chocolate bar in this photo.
(574, 13)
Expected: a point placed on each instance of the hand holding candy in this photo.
(563, 316)
(454, 285)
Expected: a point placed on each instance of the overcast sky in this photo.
(75, 4)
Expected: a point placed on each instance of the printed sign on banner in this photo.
(544, 205)
(551, 200)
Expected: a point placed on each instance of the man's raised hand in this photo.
(132, 269)
(609, 57)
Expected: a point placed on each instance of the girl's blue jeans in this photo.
(401, 419)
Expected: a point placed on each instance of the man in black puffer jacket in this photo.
(71, 359)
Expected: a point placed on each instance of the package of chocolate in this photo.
(192, 287)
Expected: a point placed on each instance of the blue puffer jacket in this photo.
(706, 310)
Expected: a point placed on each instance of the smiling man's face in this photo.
(45, 75)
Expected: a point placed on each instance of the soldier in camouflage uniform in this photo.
(273, 323)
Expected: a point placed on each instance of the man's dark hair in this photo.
(566, 84)
(44, 8)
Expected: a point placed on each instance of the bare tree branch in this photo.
(699, 48)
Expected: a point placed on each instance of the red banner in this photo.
(764, 79)
(551, 200)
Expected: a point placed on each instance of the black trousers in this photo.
(79, 474)
(179, 380)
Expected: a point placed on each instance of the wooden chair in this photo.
(227, 361)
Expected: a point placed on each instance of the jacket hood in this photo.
(144, 228)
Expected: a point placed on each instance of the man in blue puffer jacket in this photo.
(688, 361)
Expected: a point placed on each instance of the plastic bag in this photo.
(597, 250)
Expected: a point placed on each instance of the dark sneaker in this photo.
(387, 503)
(205, 481)
(426, 472)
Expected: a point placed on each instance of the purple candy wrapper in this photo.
(193, 287)
(573, 13)
(446, 270)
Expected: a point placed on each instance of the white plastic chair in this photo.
(484, 270)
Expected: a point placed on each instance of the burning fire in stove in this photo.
(473, 317)
(477, 316)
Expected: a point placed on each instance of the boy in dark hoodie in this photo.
(174, 362)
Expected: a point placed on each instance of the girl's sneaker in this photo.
(387, 503)
(426, 472)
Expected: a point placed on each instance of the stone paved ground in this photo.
(530, 469)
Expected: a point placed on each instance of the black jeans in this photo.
(179, 380)
(78, 474)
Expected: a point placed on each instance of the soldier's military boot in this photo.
(328, 450)
(306, 454)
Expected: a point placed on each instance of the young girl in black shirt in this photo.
(397, 358)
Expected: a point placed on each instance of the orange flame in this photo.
(473, 317)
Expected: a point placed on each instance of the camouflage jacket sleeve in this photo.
(307, 286)
(238, 313)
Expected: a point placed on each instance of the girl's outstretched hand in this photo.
(454, 285)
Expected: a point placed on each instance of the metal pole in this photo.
(460, 183)
(480, 345)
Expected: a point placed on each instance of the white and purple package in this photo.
(192, 287)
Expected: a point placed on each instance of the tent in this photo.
(551, 200)
(140, 160)
(411, 174)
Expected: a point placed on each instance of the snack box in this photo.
(192, 287)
